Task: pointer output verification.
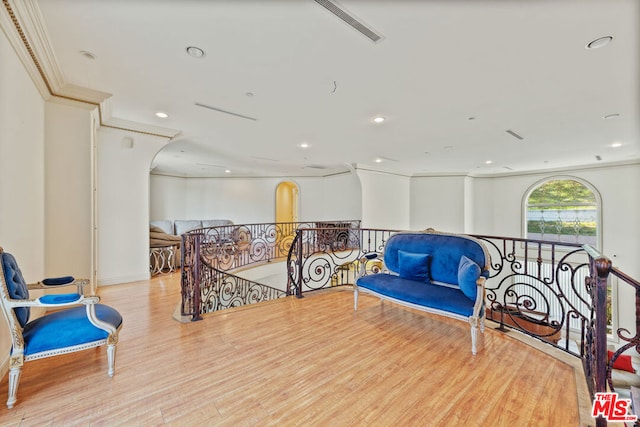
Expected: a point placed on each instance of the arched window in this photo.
(563, 210)
(567, 210)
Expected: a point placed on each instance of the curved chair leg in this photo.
(111, 357)
(14, 379)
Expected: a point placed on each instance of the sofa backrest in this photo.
(15, 286)
(182, 226)
(216, 222)
(166, 225)
(445, 252)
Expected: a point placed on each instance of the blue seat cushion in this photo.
(420, 293)
(59, 298)
(57, 281)
(67, 328)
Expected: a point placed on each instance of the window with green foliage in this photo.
(567, 211)
(562, 210)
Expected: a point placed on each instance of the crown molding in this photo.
(32, 24)
(23, 24)
(12, 16)
(378, 169)
(563, 170)
(107, 120)
(127, 125)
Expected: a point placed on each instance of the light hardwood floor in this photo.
(310, 361)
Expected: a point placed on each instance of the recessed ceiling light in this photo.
(616, 144)
(378, 160)
(162, 114)
(378, 119)
(611, 116)
(227, 171)
(196, 52)
(599, 42)
(488, 162)
(304, 145)
(249, 94)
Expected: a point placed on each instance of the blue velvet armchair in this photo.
(78, 323)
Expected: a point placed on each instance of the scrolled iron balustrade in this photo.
(538, 288)
(210, 254)
(316, 262)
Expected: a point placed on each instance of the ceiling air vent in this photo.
(362, 28)
(220, 110)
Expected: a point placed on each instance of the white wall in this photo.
(251, 200)
(22, 113)
(68, 181)
(241, 200)
(469, 203)
(22, 218)
(123, 205)
(482, 208)
(168, 198)
(342, 197)
(385, 200)
(438, 202)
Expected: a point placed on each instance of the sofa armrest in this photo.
(365, 260)
(58, 282)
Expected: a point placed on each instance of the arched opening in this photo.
(287, 202)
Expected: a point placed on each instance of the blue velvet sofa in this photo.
(431, 271)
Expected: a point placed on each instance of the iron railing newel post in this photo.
(184, 280)
(299, 286)
(603, 268)
(197, 277)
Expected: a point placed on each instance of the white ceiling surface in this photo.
(449, 76)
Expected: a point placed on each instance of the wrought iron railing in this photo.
(210, 255)
(322, 263)
(556, 292)
(538, 287)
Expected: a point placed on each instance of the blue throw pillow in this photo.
(413, 266)
(468, 274)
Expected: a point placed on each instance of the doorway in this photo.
(287, 202)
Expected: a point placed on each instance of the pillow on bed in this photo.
(468, 274)
(413, 266)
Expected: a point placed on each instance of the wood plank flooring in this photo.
(311, 361)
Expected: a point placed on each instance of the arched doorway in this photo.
(287, 202)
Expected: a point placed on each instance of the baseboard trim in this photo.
(124, 279)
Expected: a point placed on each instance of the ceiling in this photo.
(450, 78)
